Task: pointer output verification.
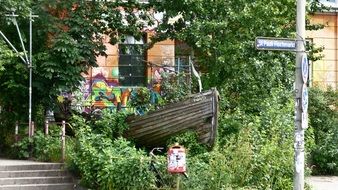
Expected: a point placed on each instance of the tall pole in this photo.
(27, 60)
(30, 66)
(299, 98)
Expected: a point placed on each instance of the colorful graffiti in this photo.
(104, 95)
(102, 88)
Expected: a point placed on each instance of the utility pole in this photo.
(301, 92)
(301, 97)
(30, 67)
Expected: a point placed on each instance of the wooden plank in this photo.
(163, 135)
(173, 117)
(164, 110)
(167, 125)
(192, 124)
(169, 116)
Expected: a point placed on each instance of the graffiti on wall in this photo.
(105, 93)
(102, 88)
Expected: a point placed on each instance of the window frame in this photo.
(132, 73)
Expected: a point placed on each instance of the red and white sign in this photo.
(176, 159)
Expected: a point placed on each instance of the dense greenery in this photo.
(42, 147)
(253, 152)
(324, 120)
(254, 149)
(67, 37)
(106, 161)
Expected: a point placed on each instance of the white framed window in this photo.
(132, 67)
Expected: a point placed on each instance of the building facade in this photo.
(128, 66)
(324, 72)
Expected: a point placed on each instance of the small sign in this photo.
(305, 68)
(176, 159)
(282, 44)
(305, 98)
(305, 120)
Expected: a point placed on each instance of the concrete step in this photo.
(38, 166)
(35, 180)
(58, 186)
(33, 173)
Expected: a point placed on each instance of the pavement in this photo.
(323, 182)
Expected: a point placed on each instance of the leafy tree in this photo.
(222, 35)
(67, 37)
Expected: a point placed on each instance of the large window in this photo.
(132, 69)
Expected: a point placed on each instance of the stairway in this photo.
(29, 175)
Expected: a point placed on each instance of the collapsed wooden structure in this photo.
(198, 112)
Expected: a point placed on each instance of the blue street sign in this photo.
(305, 68)
(282, 44)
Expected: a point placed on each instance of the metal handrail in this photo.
(63, 136)
(32, 130)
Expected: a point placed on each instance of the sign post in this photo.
(301, 91)
(301, 97)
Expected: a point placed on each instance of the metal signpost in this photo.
(301, 91)
(302, 73)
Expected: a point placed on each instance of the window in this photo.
(330, 3)
(132, 69)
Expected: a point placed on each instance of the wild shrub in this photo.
(323, 117)
(105, 161)
(42, 147)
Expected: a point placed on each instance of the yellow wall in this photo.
(325, 71)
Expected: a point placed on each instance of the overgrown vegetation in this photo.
(106, 161)
(323, 114)
(42, 147)
(254, 149)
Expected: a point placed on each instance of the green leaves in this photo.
(323, 116)
(41, 147)
(110, 164)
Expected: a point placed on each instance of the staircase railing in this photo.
(31, 132)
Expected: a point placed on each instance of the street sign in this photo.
(305, 120)
(305, 68)
(282, 44)
(305, 98)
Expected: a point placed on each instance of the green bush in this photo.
(190, 142)
(43, 147)
(258, 144)
(323, 116)
(105, 160)
(110, 124)
(110, 164)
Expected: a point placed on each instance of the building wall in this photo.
(324, 72)
(102, 88)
